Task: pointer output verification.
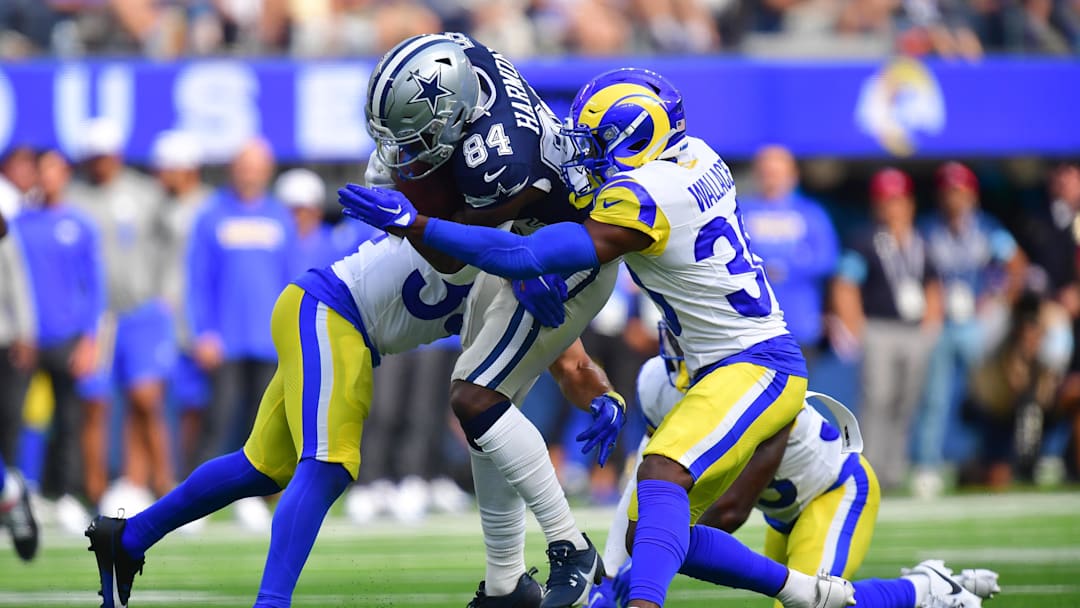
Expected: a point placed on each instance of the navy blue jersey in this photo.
(513, 145)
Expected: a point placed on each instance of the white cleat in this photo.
(980, 581)
(943, 591)
(252, 514)
(71, 515)
(448, 497)
(833, 592)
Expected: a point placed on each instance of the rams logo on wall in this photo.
(899, 102)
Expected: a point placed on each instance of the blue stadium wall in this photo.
(313, 111)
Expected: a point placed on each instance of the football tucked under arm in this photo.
(434, 195)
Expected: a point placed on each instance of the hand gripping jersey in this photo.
(392, 295)
(512, 142)
(699, 270)
(813, 461)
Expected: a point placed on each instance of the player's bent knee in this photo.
(631, 528)
(655, 466)
(468, 400)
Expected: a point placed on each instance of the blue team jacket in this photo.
(239, 260)
(63, 257)
(796, 240)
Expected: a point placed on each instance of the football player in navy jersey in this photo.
(445, 100)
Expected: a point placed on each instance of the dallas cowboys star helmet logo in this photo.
(429, 89)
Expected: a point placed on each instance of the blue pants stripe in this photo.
(309, 350)
(843, 543)
(752, 413)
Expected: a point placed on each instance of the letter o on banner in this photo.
(7, 111)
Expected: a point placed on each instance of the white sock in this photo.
(799, 590)
(502, 517)
(921, 582)
(12, 491)
(615, 554)
(518, 450)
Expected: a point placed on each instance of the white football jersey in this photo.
(403, 301)
(699, 270)
(813, 458)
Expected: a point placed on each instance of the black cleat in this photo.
(573, 572)
(116, 568)
(20, 520)
(527, 594)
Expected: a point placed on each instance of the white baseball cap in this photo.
(300, 188)
(176, 149)
(101, 136)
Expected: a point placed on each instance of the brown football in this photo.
(434, 195)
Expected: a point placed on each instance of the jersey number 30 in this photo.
(741, 300)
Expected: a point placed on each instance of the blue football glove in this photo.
(609, 416)
(378, 207)
(543, 297)
(603, 595)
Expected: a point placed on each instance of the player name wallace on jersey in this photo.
(710, 188)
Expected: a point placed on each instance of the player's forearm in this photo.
(555, 249)
(441, 262)
(580, 378)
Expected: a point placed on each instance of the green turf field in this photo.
(1032, 539)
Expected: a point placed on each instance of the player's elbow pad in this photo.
(558, 248)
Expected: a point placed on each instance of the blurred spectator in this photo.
(677, 26)
(503, 25)
(317, 243)
(1013, 392)
(63, 256)
(124, 206)
(18, 178)
(176, 158)
(982, 272)
(796, 240)
(18, 338)
(240, 258)
(1039, 32)
(941, 27)
(1051, 236)
(888, 296)
(595, 27)
(404, 474)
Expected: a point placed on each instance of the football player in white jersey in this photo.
(665, 203)
(330, 327)
(819, 498)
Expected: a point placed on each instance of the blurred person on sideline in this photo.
(18, 180)
(888, 296)
(16, 513)
(796, 240)
(1013, 394)
(63, 255)
(239, 260)
(124, 206)
(318, 244)
(982, 273)
(176, 158)
(403, 438)
(1051, 238)
(18, 332)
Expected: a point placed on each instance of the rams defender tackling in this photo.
(665, 203)
(820, 501)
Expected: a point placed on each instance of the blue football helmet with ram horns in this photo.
(621, 120)
(420, 97)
